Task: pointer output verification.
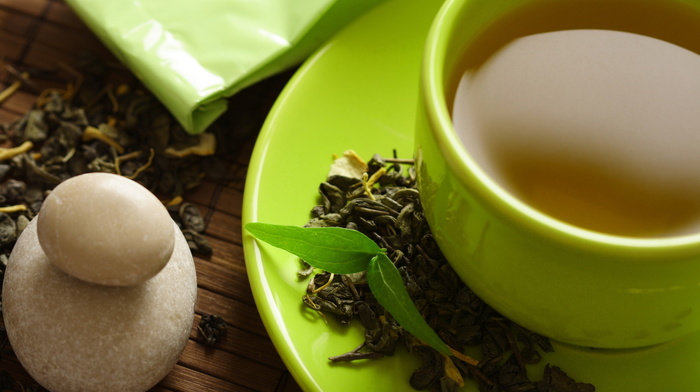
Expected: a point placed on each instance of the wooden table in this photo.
(45, 33)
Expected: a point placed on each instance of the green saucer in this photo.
(360, 92)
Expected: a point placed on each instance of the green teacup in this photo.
(584, 285)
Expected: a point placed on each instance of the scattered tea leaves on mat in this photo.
(345, 251)
(96, 125)
(212, 327)
(98, 117)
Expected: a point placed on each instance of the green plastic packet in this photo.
(193, 55)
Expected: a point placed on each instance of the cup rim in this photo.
(502, 202)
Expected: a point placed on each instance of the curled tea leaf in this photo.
(212, 327)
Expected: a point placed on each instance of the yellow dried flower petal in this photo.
(206, 146)
(349, 165)
(92, 133)
(8, 153)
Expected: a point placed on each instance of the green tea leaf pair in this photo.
(345, 251)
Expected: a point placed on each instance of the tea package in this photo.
(193, 55)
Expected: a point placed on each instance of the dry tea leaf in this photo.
(395, 221)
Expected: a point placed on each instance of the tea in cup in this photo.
(558, 157)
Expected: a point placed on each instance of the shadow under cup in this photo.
(571, 284)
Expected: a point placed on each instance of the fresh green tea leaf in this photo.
(387, 286)
(334, 249)
(345, 251)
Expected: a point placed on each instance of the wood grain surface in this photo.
(43, 35)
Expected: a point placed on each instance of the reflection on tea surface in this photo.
(595, 127)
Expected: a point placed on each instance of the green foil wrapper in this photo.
(194, 54)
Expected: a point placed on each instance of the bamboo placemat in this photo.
(46, 34)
